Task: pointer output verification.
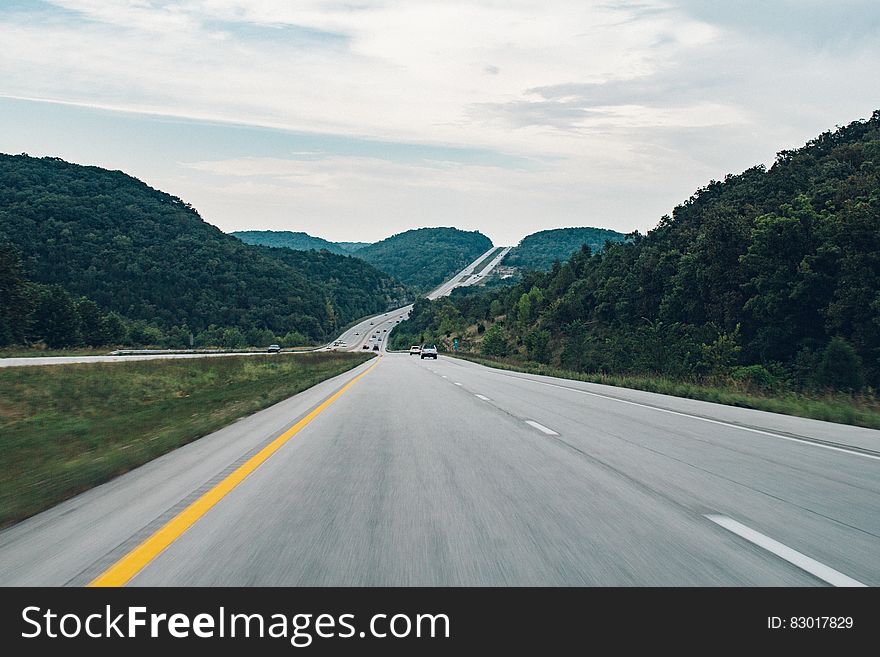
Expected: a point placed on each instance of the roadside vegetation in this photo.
(861, 410)
(762, 289)
(67, 428)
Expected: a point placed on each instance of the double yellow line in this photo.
(132, 563)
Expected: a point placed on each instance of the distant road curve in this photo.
(355, 337)
(374, 331)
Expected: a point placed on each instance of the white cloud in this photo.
(613, 97)
(409, 70)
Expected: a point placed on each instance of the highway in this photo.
(466, 276)
(373, 331)
(419, 472)
(354, 337)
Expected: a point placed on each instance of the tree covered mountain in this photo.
(351, 247)
(425, 257)
(297, 241)
(148, 256)
(769, 277)
(539, 250)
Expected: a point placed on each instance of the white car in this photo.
(428, 351)
(415, 350)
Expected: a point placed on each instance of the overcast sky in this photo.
(355, 120)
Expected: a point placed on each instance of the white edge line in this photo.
(541, 427)
(705, 419)
(802, 561)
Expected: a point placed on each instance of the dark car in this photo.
(375, 347)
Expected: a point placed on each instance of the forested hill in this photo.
(292, 240)
(425, 257)
(540, 250)
(351, 247)
(149, 256)
(769, 276)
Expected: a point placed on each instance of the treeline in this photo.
(149, 257)
(770, 278)
(298, 241)
(36, 314)
(539, 250)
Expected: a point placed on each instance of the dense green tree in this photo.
(142, 334)
(840, 367)
(91, 323)
(54, 319)
(232, 338)
(113, 329)
(15, 303)
(494, 343)
(537, 343)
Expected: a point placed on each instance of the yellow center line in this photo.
(120, 573)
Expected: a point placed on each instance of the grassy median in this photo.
(858, 410)
(66, 428)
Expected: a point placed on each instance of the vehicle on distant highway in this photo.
(428, 351)
(375, 347)
(274, 348)
(366, 346)
(415, 350)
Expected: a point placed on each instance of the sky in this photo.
(357, 119)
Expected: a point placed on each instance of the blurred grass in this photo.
(23, 352)
(861, 411)
(66, 428)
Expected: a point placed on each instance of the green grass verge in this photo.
(24, 352)
(857, 410)
(66, 428)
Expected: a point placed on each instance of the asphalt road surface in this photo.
(418, 472)
(466, 276)
(373, 331)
